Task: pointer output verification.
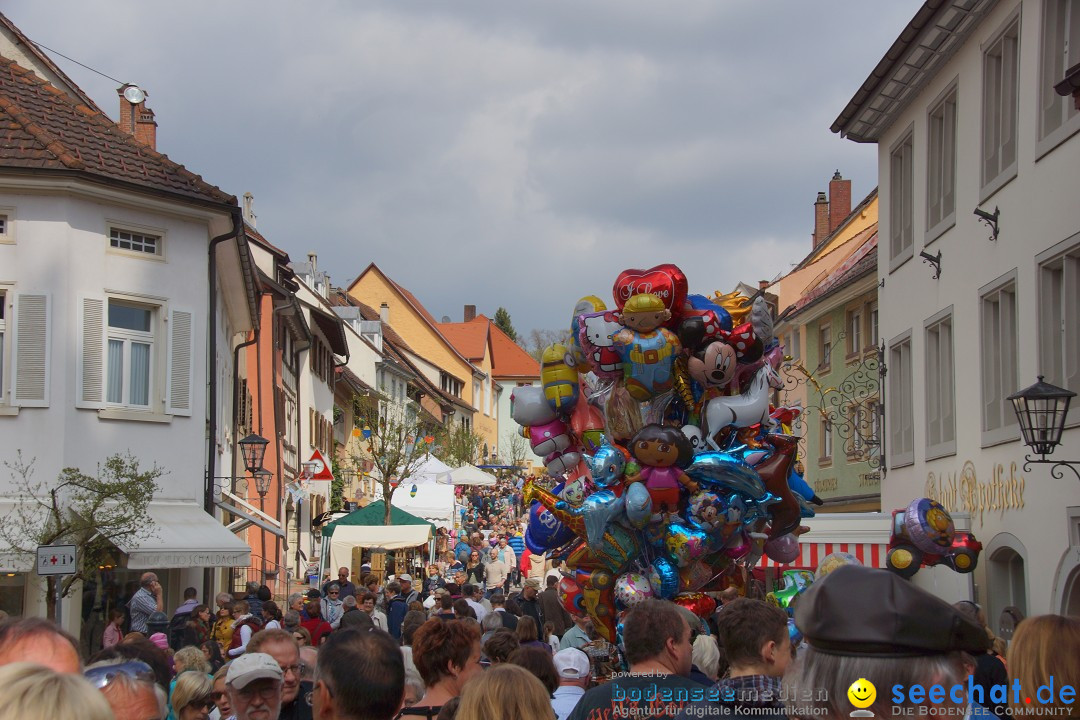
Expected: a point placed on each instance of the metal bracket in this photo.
(934, 260)
(991, 220)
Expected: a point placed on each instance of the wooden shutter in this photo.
(90, 375)
(179, 380)
(30, 373)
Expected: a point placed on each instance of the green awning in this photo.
(373, 515)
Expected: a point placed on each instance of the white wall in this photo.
(1038, 210)
(61, 248)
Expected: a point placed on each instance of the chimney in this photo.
(839, 200)
(136, 119)
(312, 258)
(384, 313)
(249, 209)
(821, 219)
(470, 313)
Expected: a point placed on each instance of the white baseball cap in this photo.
(250, 667)
(404, 577)
(572, 663)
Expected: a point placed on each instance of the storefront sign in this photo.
(56, 560)
(825, 485)
(966, 493)
(180, 559)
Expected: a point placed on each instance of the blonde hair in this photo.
(1043, 646)
(190, 686)
(192, 658)
(504, 691)
(33, 692)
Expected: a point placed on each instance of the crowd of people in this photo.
(475, 655)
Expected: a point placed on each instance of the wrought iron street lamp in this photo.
(262, 481)
(1042, 410)
(253, 447)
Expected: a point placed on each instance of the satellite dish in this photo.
(445, 319)
(134, 94)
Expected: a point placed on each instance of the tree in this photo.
(457, 445)
(502, 321)
(96, 513)
(540, 339)
(394, 441)
(517, 450)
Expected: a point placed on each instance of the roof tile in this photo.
(48, 130)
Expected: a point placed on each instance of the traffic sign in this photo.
(56, 559)
(320, 468)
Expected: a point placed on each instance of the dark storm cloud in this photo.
(495, 153)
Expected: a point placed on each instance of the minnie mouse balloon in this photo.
(632, 588)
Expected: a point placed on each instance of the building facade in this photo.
(968, 127)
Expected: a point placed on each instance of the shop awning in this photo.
(864, 535)
(185, 536)
(811, 554)
(374, 537)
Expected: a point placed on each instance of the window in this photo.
(1060, 51)
(901, 211)
(999, 354)
(476, 395)
(941, 166)
(874, 339)
(139, 243)
(855, 331)
(129, 376)
(792, 344)
(3, 329)
(825, 346)
(133, 354)
(1059, 317)
(826, 441)
(1001, 64)
(940, 392)
(4, 236)
(899, 402)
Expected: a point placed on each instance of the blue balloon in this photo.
(638, 505)
(664, 578)
(606, 465)
(795, 482)
(700, 302)
(544, 530)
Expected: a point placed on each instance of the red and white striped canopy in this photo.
(869, 554)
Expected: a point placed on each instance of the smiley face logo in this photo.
(862, 693)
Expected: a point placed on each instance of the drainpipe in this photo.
(211, 400)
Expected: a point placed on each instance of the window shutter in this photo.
(31, 354)
(90, 377)
(179, 382)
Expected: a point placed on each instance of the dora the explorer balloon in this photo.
(647, 349)
(662, 452)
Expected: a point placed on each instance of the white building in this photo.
(965, 117)
(123, 284)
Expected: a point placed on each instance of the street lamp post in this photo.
(1042, 410)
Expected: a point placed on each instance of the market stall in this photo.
(346, 539)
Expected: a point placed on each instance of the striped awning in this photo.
(869, 554)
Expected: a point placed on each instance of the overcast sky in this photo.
(515, 153)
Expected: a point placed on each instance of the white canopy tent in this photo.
(470, 475)
(427, 494)
(374, 537)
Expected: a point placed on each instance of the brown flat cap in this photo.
(857, 610)
(1071, 83)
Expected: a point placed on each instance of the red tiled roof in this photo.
(42, 128)
(33, 49)
(508, 359)
(858, 264)
(468, 338)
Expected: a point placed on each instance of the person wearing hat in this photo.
(873, 626)
(253, 684)
(530, 601)
(574, 672)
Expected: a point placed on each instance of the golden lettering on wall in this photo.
(967, 494)
(825, 485)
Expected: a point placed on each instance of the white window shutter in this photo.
(30, 373)
(90, 376)
(180, 378)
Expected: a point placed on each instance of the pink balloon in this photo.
(784, 549)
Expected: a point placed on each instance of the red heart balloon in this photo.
(665, 281)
